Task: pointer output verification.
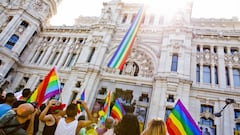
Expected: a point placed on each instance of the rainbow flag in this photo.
(180, 122)
(105, 112)
(121, 54)
(117, 111)
(49, 87)
(82, 98)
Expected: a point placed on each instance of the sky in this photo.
(68, 10)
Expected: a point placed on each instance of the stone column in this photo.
(158, 99)
(48, 53)
(64, 53)
(10, 29)
(221, 68)
(24, 38)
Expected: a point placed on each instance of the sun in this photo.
(165, 7)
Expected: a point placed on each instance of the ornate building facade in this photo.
(195, 60)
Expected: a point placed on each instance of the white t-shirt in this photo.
(64, 128)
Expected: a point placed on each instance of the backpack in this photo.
(6, 118)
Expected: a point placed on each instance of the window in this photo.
(174, 62)
(237, 127)
(234, 50)
(198, 48)
(161, 20)
(227, 76)
(74, 95)
(236, 77)
(207, 122)
(206, 49)
(12, 41)
(38, 57)
(54, 58)
(70, 63)
(167, 112)
(151, 21)
(91, 54)
(24, 24)
(236, 113)
(198, 73)
(216, 74)
(206, 108)
(143, 19)
(170, 98)
(133, 17)
(124, 18)
(206, 74)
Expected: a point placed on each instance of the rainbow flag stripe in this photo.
(117, 111)
(49, 87)
(180, 122)
(121, 54)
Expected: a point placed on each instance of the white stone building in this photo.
(195, 60)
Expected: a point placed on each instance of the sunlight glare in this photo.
(165, 7)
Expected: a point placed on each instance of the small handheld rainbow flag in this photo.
(82, 98)
(121, 54)
(49, 87)
(105, 112)
(180, 122)
(117, 111)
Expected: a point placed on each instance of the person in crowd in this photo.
(51, 115)
(12, 123)
(108, 128)
(129, 125)
(26, 93)
(155, 127)
(71, 126)
(1, 96)
(8, 103)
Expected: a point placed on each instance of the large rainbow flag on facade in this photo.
(82, 98)
(121, 54)
(117, 111)
(49, 87)
(180, 122)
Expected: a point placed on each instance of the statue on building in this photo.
(106, 18)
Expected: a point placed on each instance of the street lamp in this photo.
(227, 101)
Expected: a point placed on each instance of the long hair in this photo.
(155, 127)
(129, 125)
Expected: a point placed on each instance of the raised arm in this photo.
(43, 116)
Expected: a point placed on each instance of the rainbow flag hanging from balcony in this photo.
(121, 54)
(49, 87)
(180, 122)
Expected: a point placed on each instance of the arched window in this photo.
(12, 41)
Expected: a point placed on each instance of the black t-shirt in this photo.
(17, 103)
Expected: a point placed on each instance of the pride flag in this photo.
(105, 112)
(117, 111)
(49, 87)
(180, 122)
(121, 54)
(82, 98)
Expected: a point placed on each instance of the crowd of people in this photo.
(18, 117)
